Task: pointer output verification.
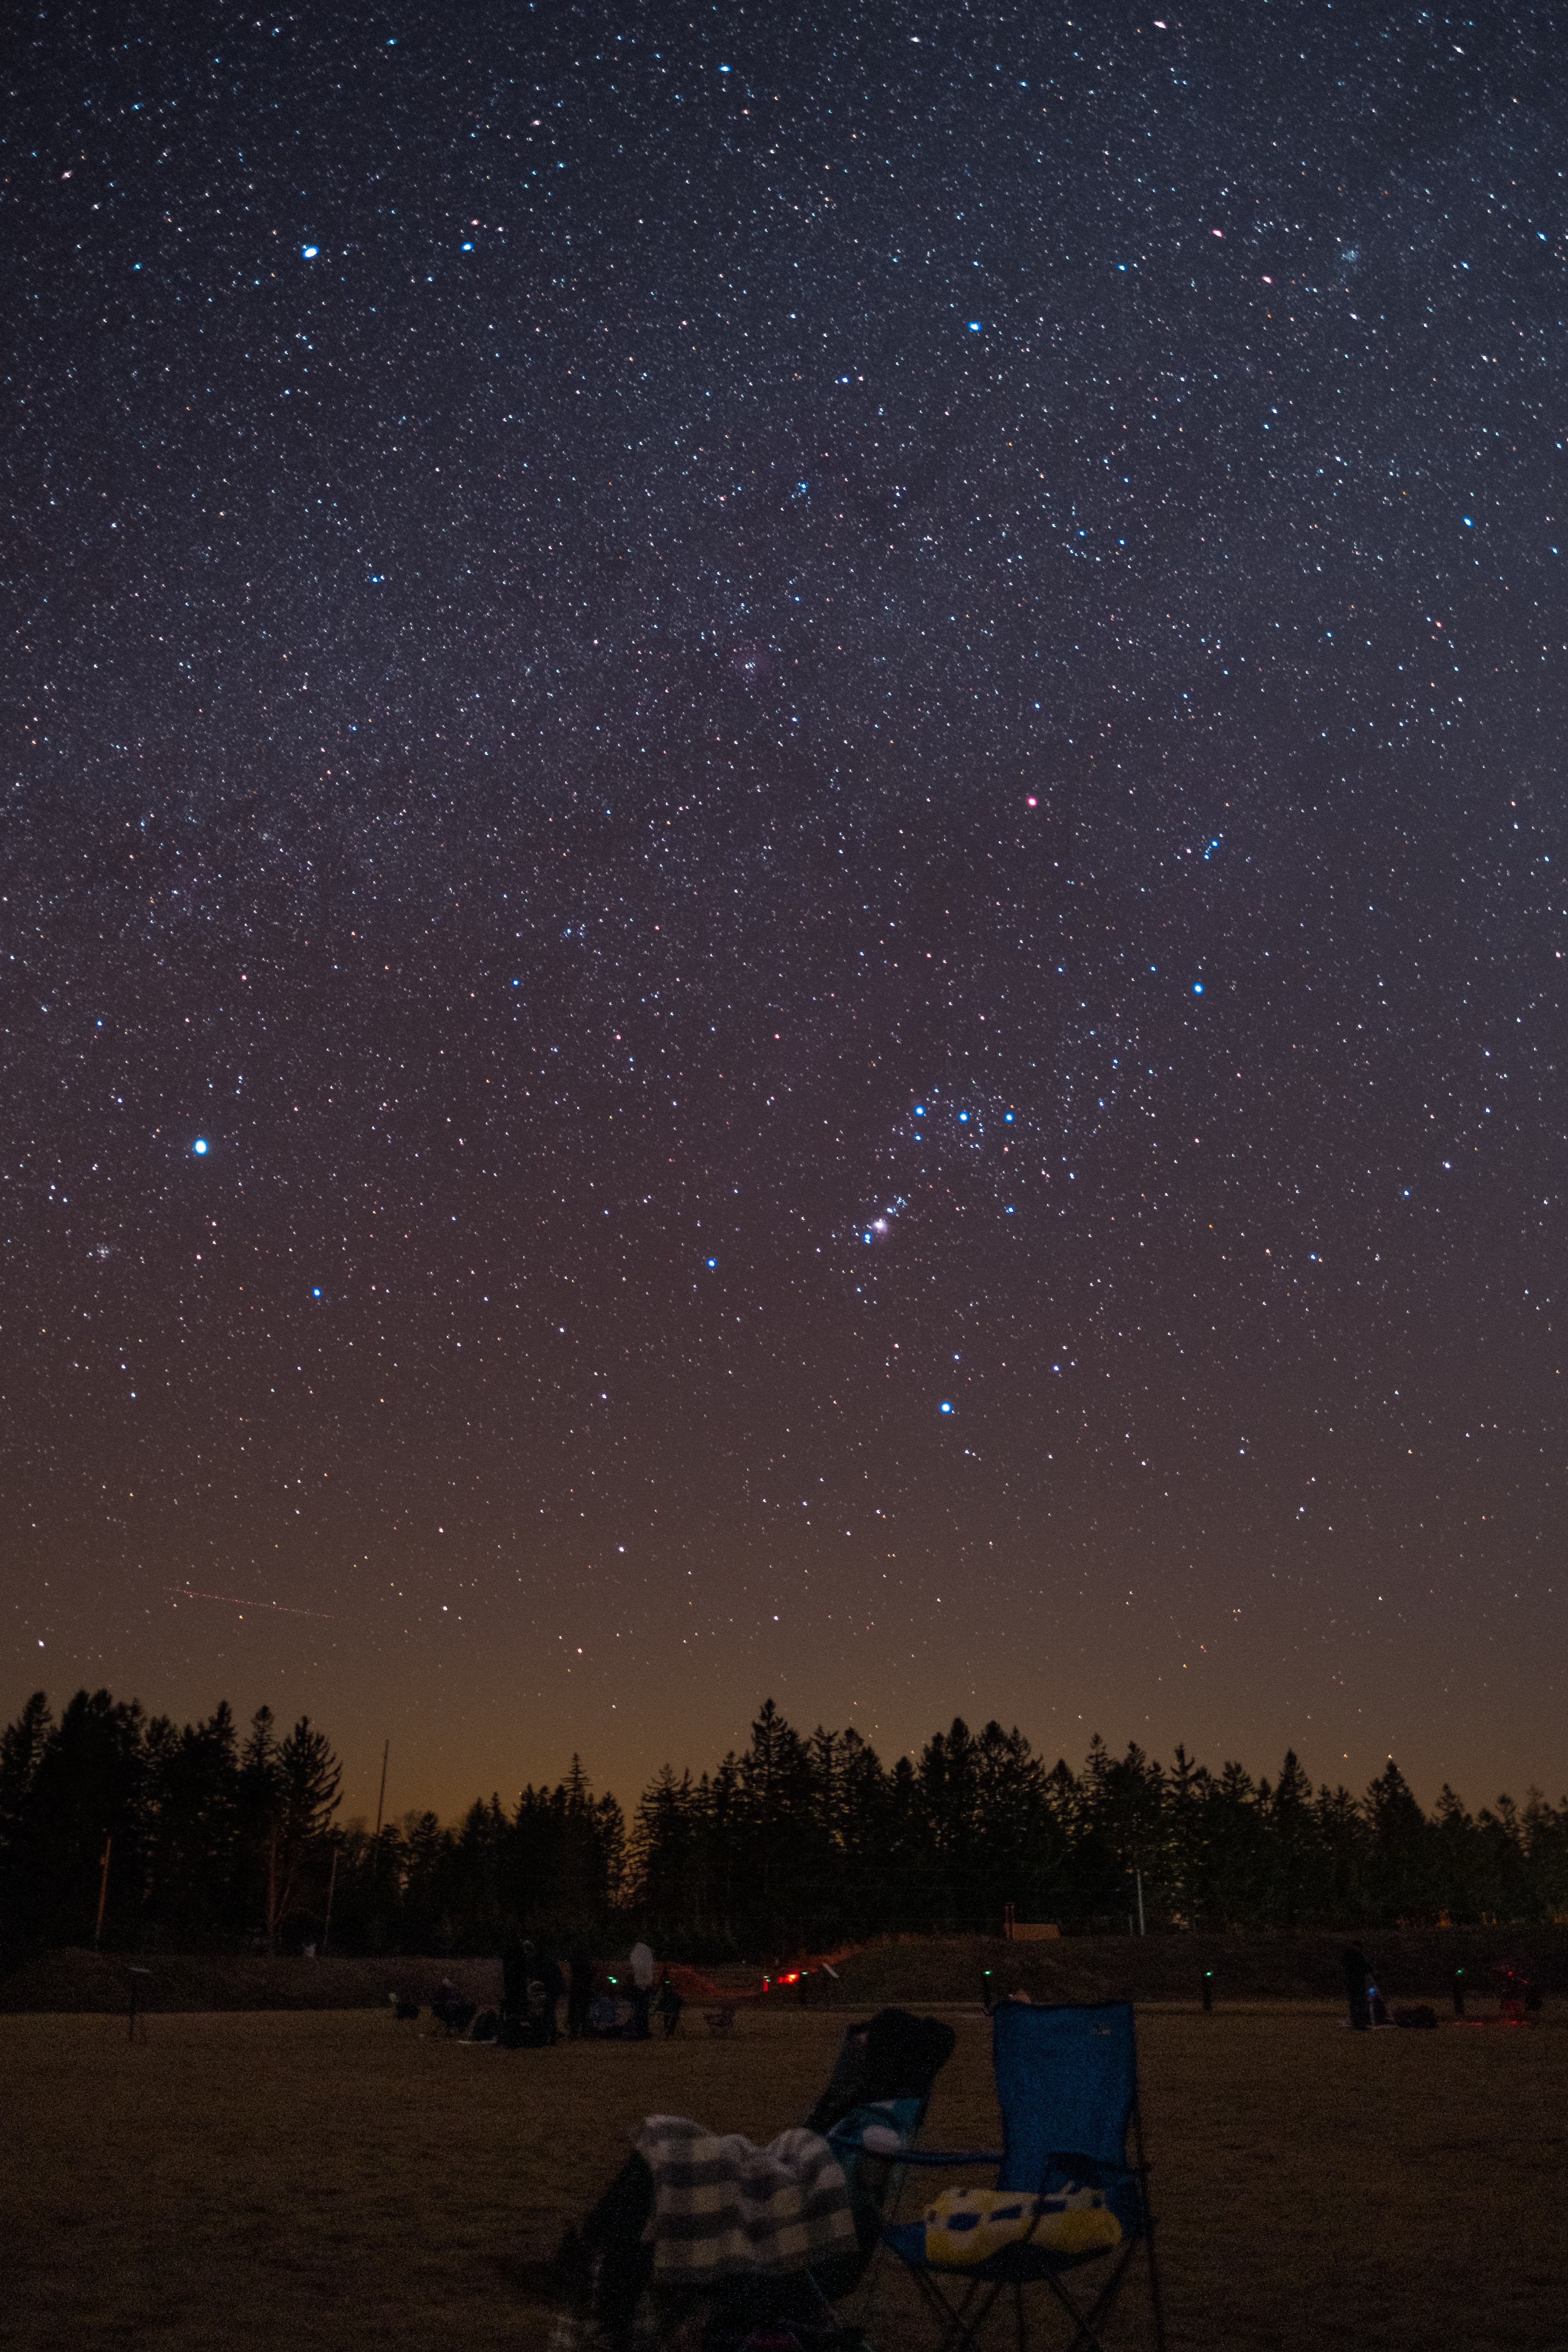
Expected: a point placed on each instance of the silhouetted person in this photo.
(553, 1978)
(669, 2005)
(580, 1994)
(515, 1979)
(643, 1973)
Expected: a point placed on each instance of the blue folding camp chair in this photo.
(1067, 2084)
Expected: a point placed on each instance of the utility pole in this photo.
(332, 1890)
(102, 1891)
(1137, 1882)
(381, 1800)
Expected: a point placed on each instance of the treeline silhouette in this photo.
(123, 1826)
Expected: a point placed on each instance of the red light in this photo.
(1031, 802)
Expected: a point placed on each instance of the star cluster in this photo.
(783, 890)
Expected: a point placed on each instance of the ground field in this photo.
(335, 2182)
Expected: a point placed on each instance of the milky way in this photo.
(783, 879)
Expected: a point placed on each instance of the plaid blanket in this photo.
(725, 2209)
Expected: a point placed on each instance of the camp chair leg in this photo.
(962, 2322)
(948, 2317)
(1155, 2298)
(965, 2327)
(1087, 2324)
(956, 2321)
(861, 2309)
(1085, 2339)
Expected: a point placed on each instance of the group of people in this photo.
(534, 1984)
(1519, 1994)
(606, 2005)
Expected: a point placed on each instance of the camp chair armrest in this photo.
(952, 2156)
(1081, 2168)
(856, 2145)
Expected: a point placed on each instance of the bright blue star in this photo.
(309, 252)
(944, 1406)
(711, 1264)
(315, 1294)
(975, 326)
(1007, 1119)
(1198, 988)
(200, 1147)
(920, 1110)
(963, 1119)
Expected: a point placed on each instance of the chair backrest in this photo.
(892, 2055)
(1067, 2083)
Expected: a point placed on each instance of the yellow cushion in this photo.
(966, 2226)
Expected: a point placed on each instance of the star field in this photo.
(782, 887)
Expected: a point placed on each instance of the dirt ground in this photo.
(334, 2182)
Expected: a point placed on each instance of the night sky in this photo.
(783, 879)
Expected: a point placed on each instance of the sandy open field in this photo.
(334, 2182)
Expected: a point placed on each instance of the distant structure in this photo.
(1026, 1931)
